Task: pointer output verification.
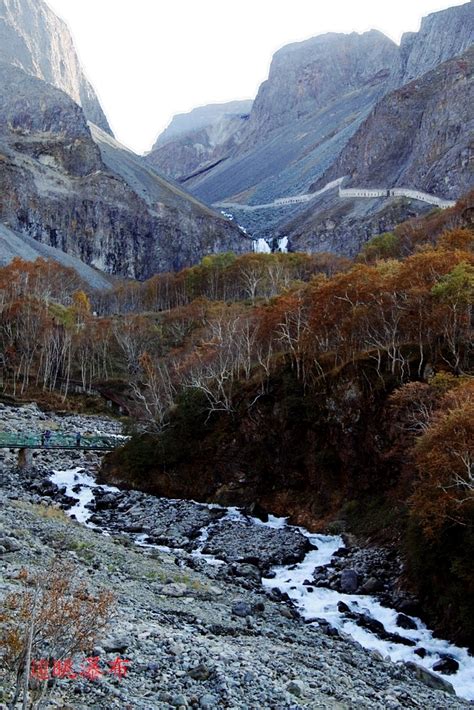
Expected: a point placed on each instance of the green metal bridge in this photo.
(59, 440)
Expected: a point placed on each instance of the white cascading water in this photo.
(312, 602)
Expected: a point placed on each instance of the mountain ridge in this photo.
(305, 116)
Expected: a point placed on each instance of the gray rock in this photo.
(37, 41)
(9, 544)
(239, 542)
(296, 687)
(174, 589)
(208, 701)
(241, 608)
(200, 672)
(404, 622)
(115, 644)
(371, 586)
(446, 665)
(349, 581)
(430, 679)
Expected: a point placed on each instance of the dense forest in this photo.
(337, 392)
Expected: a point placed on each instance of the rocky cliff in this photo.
(419, 135)
(442, 36)
(198, 140)
(92, 198)
(33, 38)
(316, 95)
(307, 76)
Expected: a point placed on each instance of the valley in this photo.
(236, 372)
(227, 604)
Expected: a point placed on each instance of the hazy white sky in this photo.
(151, 59)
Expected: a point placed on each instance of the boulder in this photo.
(404, 622)
(349, 581)
(241, 608)
(447, 665)
(430, 679)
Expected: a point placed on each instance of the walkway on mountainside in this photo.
(281, 201)
(370, 193)
(59, 440)
(353, 192)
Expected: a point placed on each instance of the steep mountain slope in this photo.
(316, 90)
(419, 135)
(305, 77)
(33, 38)
(318, 94)
(199, 139)
(110, 212)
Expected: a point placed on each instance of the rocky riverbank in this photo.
(197, 634)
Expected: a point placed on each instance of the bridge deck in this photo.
(59, 440)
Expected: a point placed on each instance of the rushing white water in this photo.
(312, 602)
(261, 246)
(84, 483)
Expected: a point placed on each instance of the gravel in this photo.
(196, 635)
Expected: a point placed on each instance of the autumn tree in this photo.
(444, 456)
(52, 616)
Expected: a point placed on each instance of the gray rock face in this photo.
(186, 154)
(417, 136)
(13, 245)
(316, 95)
(201, 117)
(310, 111)
(33, 38)
(307, 76)
(88, 196)
(442, 36)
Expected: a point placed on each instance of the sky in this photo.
(151, 59)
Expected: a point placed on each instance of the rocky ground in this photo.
(196, 635)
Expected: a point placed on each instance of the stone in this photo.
(115, 644)
(404, 622)
(371, 586)
(247, 571)
(447, 665)
(174, 589)
(349, 581)
(295, 687)
(430, 679)
(199, 672)
(241, 608)
(9, 544)
(208, 701)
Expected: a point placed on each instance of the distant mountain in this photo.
(67, 184)
(198, 140)
(91, 198)
(307, 120)
(33, 38)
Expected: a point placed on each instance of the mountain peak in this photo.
(34, 39)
